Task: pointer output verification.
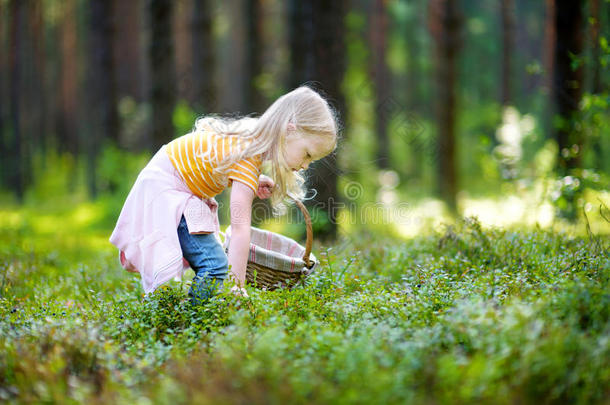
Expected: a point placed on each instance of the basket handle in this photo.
(309, 241)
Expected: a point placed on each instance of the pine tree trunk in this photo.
(40, 128)
(4, 54)
(568, 82)
(300, 40)
(15, 168)
(233, 63)
(28, 91)
(414, 90)
(381, 77)
(254, 63)
(183, 49)
(412, 31)
(204, 60)
(317, 53)
(162, 72)
(128, 54)
(104, 122)
(445, 25)
(508, 40)
(66, 121)
(53, 84)
(596, 83)
(549, 61)
(329, 56)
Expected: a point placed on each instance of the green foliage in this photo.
(320, 221)
(184, 118)
(117, 171)
(464, 315)
(593, 122)
(55, 175)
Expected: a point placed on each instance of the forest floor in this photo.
(459, 315)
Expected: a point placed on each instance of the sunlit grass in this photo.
(76, 326)
(424, 216)
(466, 315)
(81, 225)
(511, 211)
(74, 227)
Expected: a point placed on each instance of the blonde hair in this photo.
(266, 135)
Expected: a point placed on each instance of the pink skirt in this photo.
(146, 231)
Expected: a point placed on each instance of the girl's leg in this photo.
(207, 258)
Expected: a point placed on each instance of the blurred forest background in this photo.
(491, 108)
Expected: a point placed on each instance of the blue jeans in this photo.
(207, 258)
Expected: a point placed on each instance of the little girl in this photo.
(170, 214)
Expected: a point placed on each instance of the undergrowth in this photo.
(465, 315)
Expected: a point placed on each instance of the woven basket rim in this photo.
(300, 266)
(265, 254)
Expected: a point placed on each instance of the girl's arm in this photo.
(241, 211)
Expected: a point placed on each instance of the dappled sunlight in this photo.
(409, 220)
(508, 211)
(51, 230)
(78, 229)
(424, 218)
(10, 219)
(86, 214)
(78, 217)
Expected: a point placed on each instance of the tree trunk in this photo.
(254, 63)
(103, 120)
(129, 57)
(530, 45)
(4, 54)
(233, 63)
(445, 25)
(162, 72)
(28, 90)
(568, 82)
(300, 32)
(412, 31)
(329, 56)
(596, 83)
(415, 90)
(183, 49)
(317, 53)
(15, 168)
(508, 40)
(204, 60)
(549, 62)
(67, 104)
(381, 77)
(40, 128)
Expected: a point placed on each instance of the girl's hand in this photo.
(265, 187)
(236, 290)
(239, 291)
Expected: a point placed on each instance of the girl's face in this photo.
(302, 150)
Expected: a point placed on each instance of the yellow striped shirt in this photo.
(196, 156)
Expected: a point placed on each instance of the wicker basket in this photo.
(275, 260)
